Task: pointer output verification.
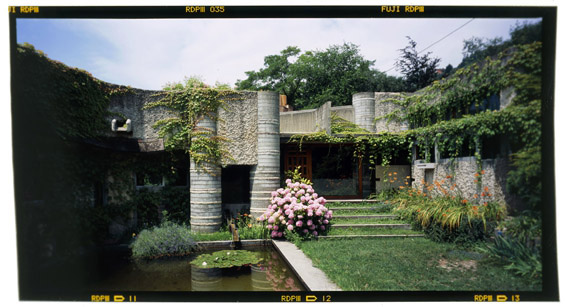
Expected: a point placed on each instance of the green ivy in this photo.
(189, 105)
(70, 101)
(440, 116)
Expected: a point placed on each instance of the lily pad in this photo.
(226, 259)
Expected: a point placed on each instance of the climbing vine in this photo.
(458, 113)
(67, 101)
(190, 105)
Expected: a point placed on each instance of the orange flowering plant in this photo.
(441, 204)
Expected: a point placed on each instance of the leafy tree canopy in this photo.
(311, 78)
(478, 48)
(419, 70)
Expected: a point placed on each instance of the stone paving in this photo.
(313, 278)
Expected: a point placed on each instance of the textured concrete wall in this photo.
(306, 121)
(323, 118)
(462, 171)
(506, 96)
(238, 123)
(384, 107)
(364, 105)
(298, 121)
(345, 112)
(130, 105)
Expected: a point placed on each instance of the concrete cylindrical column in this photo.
(259, 279)
(364, 106)
(206, 279)
(205, 192)
(265, 176)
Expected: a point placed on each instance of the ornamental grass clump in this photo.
(297, 208)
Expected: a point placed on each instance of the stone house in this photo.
(258, 134)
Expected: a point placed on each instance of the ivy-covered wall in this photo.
(237, 122)
(482, 124)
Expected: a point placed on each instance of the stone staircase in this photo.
(366, 219)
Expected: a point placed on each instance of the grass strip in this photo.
(213, 236)
(370, 231)
(408, 264)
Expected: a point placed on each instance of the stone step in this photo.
(376, 217)
(400, 226)
(372, 236)
(353, 208)
(351, 201)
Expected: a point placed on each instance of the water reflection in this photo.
(177, 274)
(271, 274)
(206, 279)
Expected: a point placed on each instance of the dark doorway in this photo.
(235, 184)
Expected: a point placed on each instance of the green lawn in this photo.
(414, 264)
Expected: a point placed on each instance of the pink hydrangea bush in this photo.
(297, 208)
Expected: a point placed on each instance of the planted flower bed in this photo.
(444, 215)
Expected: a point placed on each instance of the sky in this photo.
(148, 53)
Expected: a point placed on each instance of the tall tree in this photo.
(478, 48)
(316, 77)
(419, 70)
(278, 74)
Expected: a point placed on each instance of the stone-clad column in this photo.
(364, 106)
(205, 192)
(265, 176)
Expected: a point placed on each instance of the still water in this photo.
(177, 274)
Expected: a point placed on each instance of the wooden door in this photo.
(293, 157)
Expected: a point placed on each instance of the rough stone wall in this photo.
(463, 172)
(238, 123)
(384, 107)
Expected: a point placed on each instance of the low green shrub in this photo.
(518, 257)
(467, 233)
(518, 245)
(248, 228)
(167, 239)
(148, 203)
(525, 227)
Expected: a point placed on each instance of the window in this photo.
(491, 103)
(146, 179)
